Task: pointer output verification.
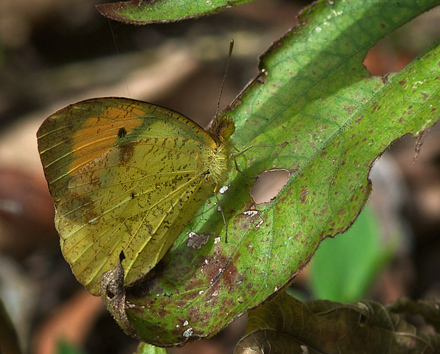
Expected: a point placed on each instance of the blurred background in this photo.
(53, 53)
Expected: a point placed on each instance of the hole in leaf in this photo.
(399, 48)
(268, 185)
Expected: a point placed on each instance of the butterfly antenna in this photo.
(117, 51)
(231, 47)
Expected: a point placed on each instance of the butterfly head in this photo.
(221, 128)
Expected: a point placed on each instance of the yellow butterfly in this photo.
(127, 175)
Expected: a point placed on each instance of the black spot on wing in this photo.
(122, 133)
(121, 256)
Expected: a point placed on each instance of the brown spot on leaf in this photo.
(403, 82)
(425, 96)
(375, 107)
(304, 194)
(196, 241)
(230, 274)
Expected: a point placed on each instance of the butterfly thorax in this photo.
(217, 160)
(216, 163)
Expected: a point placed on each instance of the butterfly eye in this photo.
(122, 133)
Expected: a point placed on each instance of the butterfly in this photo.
(127, 176)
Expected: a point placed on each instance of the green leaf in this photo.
(65, 347)
(329, 327)
(343, 268)
(145, 348)
(327, 120)
(141, 12)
